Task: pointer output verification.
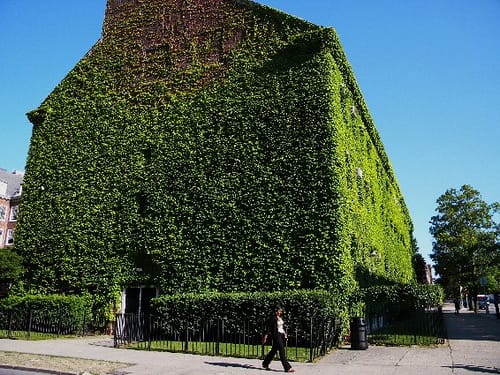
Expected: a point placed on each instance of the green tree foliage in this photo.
(420, 267)
(466, 240)
(11, 268)
(228, 149)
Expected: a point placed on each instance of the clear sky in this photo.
(429, 71)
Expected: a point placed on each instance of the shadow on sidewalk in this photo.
(240, 365)
(472, 368)
(471, 326)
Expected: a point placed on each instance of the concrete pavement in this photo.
(473, 347)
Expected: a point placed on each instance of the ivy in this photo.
(219, 153)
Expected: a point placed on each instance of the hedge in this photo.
(402, 299)
(301, 309)
(69, 313)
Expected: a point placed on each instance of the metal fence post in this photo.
(311, 356)
(149, 331)
(9, 330)
(186, 344)
(59, 323)
(262, 339)
(217, 342)
(84, 322)
(324, 337)
(296, 340)
(117, 325)
(29, 322)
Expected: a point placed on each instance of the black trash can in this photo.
(358, 334)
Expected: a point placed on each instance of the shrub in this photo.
(70, 313)
(300, 307)
(401, 299)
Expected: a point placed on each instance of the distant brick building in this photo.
(10, 196)
(428, 274)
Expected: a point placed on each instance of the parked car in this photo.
(482, 301)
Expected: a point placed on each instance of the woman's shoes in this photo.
(267, 368)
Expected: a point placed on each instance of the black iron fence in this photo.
(421, 327)
(34, 323)
(219, 336)
(222, 337)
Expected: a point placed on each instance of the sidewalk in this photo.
(473, 346)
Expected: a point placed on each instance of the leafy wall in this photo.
(217, 147)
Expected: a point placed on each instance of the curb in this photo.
(44, 371)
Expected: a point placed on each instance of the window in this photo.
(10, 237)
(3, 188)
(14, 211)
(3, 213)
(1, 237)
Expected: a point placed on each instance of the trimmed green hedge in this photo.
(402, 299)
(300, 308)
(233, 155)
(67, 312)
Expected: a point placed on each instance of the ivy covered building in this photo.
(210, 145)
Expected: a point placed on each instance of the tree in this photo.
(420, 268)
(466, 246)
(10, 269)
(419, 264)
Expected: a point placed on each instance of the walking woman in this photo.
(275, 329)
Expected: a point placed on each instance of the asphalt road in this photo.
(8, 371)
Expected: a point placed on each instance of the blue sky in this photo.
(429, 71)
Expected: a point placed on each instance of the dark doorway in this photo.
(147, 295)
(138, 300)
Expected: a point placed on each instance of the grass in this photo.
(424, 330)
(32, 336)
(296, 354)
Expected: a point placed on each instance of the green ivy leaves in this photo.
(235, 175)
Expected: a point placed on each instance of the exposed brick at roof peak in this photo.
(172, 27)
